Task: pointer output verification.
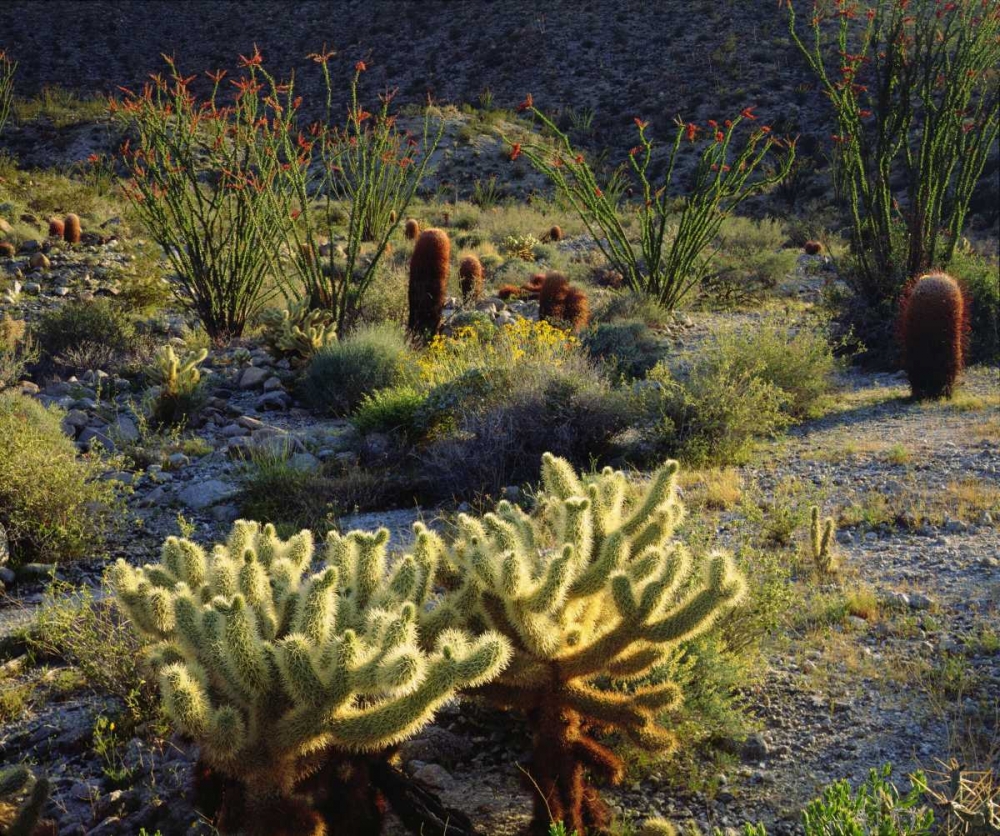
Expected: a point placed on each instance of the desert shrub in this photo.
(386, 300)
(629, 347)
(272, 488)
(628, 306)
(492, 429)
(877, 807)
(714, 413)
(52, 503)
(750, 262)
(368, 359)
(978, 277)
(91, 636)
(8, 67)
(797, 358)
(66, 332)
(399, 409)
(17, 350)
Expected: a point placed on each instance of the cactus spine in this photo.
(821, 540)
(24, 819)
(71, 229)
(411, 229)
(429, 267)
(470, 273)
(589, 587)
(273, 670)
(56, 228)
(933, 328)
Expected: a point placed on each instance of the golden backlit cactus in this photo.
(274, 668)
(71, 229)
(297, 330)
(593, 593)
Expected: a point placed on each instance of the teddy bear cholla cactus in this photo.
(298, 330)
(23, 819)
(590, 587)
(273, 669)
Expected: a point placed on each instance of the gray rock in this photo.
(273, 384)
(7, 576)
(125, 429)
(434, 776)
(305, 462)
(89, 437)
(273, 402)
(755, 748)
(205, 494)
(253, 377)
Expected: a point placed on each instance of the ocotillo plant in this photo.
(276, 670)
(179, 380)
(913, 87)
(23, 820)
(8, 66)
(821, 541)
(428, 288)
(210, 182)
(371, 167)
(932, 326)
(470, 274)
(592, 592)
(733, 165)
(71, 229)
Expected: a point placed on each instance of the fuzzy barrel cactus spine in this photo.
(411, 229)
(429, 268)
(932, 326)
(470, 273)
(71, 229)
(552, 297)
(56, 228)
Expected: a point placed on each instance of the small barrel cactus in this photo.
(470, 273)
(7, 250)
(411, 229)
(932, 326)
(509, 291)
(576, 309)
(552, 297)
(71, 229)
(555, 233)
(56, 228)
(39, 261)
(429, 268)
(813, 247)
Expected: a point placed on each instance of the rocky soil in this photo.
(910, 484)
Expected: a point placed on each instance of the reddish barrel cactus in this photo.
(932, 327)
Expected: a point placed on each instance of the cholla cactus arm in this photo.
(30, 811)
(589, 587)
(821, 540)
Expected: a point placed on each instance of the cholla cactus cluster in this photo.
(23, 819)
(591, 588)
(821, 541)
(298, 331)
(175, 374)
(271, 667)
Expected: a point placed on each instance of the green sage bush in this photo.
(370, 358)
(52, 502)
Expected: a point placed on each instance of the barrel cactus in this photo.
(932, 326)
(429, 268)
(470, 274)
(71, 229)
(278, 671)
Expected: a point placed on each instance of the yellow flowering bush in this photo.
(485, 349)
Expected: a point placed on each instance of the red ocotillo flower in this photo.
(515, 151)
(528, 103)
(692, 131)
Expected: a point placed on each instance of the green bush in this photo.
(370, 358)
(80, 333)
(797, 357)
(394, 410)
(494, 435)
(629, 347)
(750, 262)
(52, 503)
(978, 276)
(714, 414)
(629, 307)
(17, 350)
(876, 808)
(274, 490)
